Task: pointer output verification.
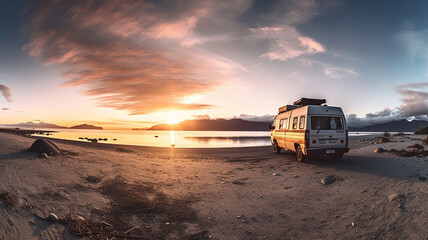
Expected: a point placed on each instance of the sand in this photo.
(235, 193)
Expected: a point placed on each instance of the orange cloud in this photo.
(129, 54)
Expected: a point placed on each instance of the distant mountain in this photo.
(214, 125)
(34, 125)
(86, 126)
(50, 125)
(393, 126)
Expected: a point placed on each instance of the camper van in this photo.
(309, 127)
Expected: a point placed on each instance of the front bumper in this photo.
(327, 151)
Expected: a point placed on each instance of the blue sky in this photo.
(136, 63)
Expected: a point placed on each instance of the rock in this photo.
(425, 141)
(45, 146)
(384, 140)
(416, 146)
(394, 196)
(363, 191)
(379, 150)
(94, 140)
(276, 174)
(80, 218)
(329, 180)
(43, 155)
(422, 178)
(52, 217)
(353, 224)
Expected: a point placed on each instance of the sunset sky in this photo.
(125, 64)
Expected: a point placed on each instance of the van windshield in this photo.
(326, 123)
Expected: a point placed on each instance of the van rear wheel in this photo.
(276, 148)
(299, 154)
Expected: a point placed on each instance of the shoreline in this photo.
(102, 145)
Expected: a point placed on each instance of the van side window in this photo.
(285, 125)
(281, 122)
(302, 122)
(295, 123)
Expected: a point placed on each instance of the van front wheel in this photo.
(300, 156)
(276, 148)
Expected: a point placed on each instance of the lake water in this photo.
(179, 139)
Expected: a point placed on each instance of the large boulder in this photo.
(45, 146)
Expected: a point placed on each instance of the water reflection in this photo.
(172, 139)
(256, 141)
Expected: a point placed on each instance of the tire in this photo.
(276, 148)
(337, 156)
(299, 154)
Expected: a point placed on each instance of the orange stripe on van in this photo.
(290, 130)
(291, 140)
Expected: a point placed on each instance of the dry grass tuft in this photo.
(7, 199)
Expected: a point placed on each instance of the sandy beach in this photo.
(231, 193)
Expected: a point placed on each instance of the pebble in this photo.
(80, 218)
(44, 155)
(363, 191)
(328, 180)
(276, 174)
(353, 224)
(379, 150)
(52, 217)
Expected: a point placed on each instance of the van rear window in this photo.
(326, 123)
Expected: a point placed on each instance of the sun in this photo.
(172, 118)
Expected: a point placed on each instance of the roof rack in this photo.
(309, 101)
(287, 108)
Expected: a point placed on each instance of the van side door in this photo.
(293, 126)
(282, 132)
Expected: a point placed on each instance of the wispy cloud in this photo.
(415, 43)
(331, 71)
(6, 92)
(136, 56)
(280, 28)
(287, 43)
(338, 72)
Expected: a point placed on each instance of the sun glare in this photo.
(172, 118)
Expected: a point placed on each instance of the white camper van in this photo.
(310, 128)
